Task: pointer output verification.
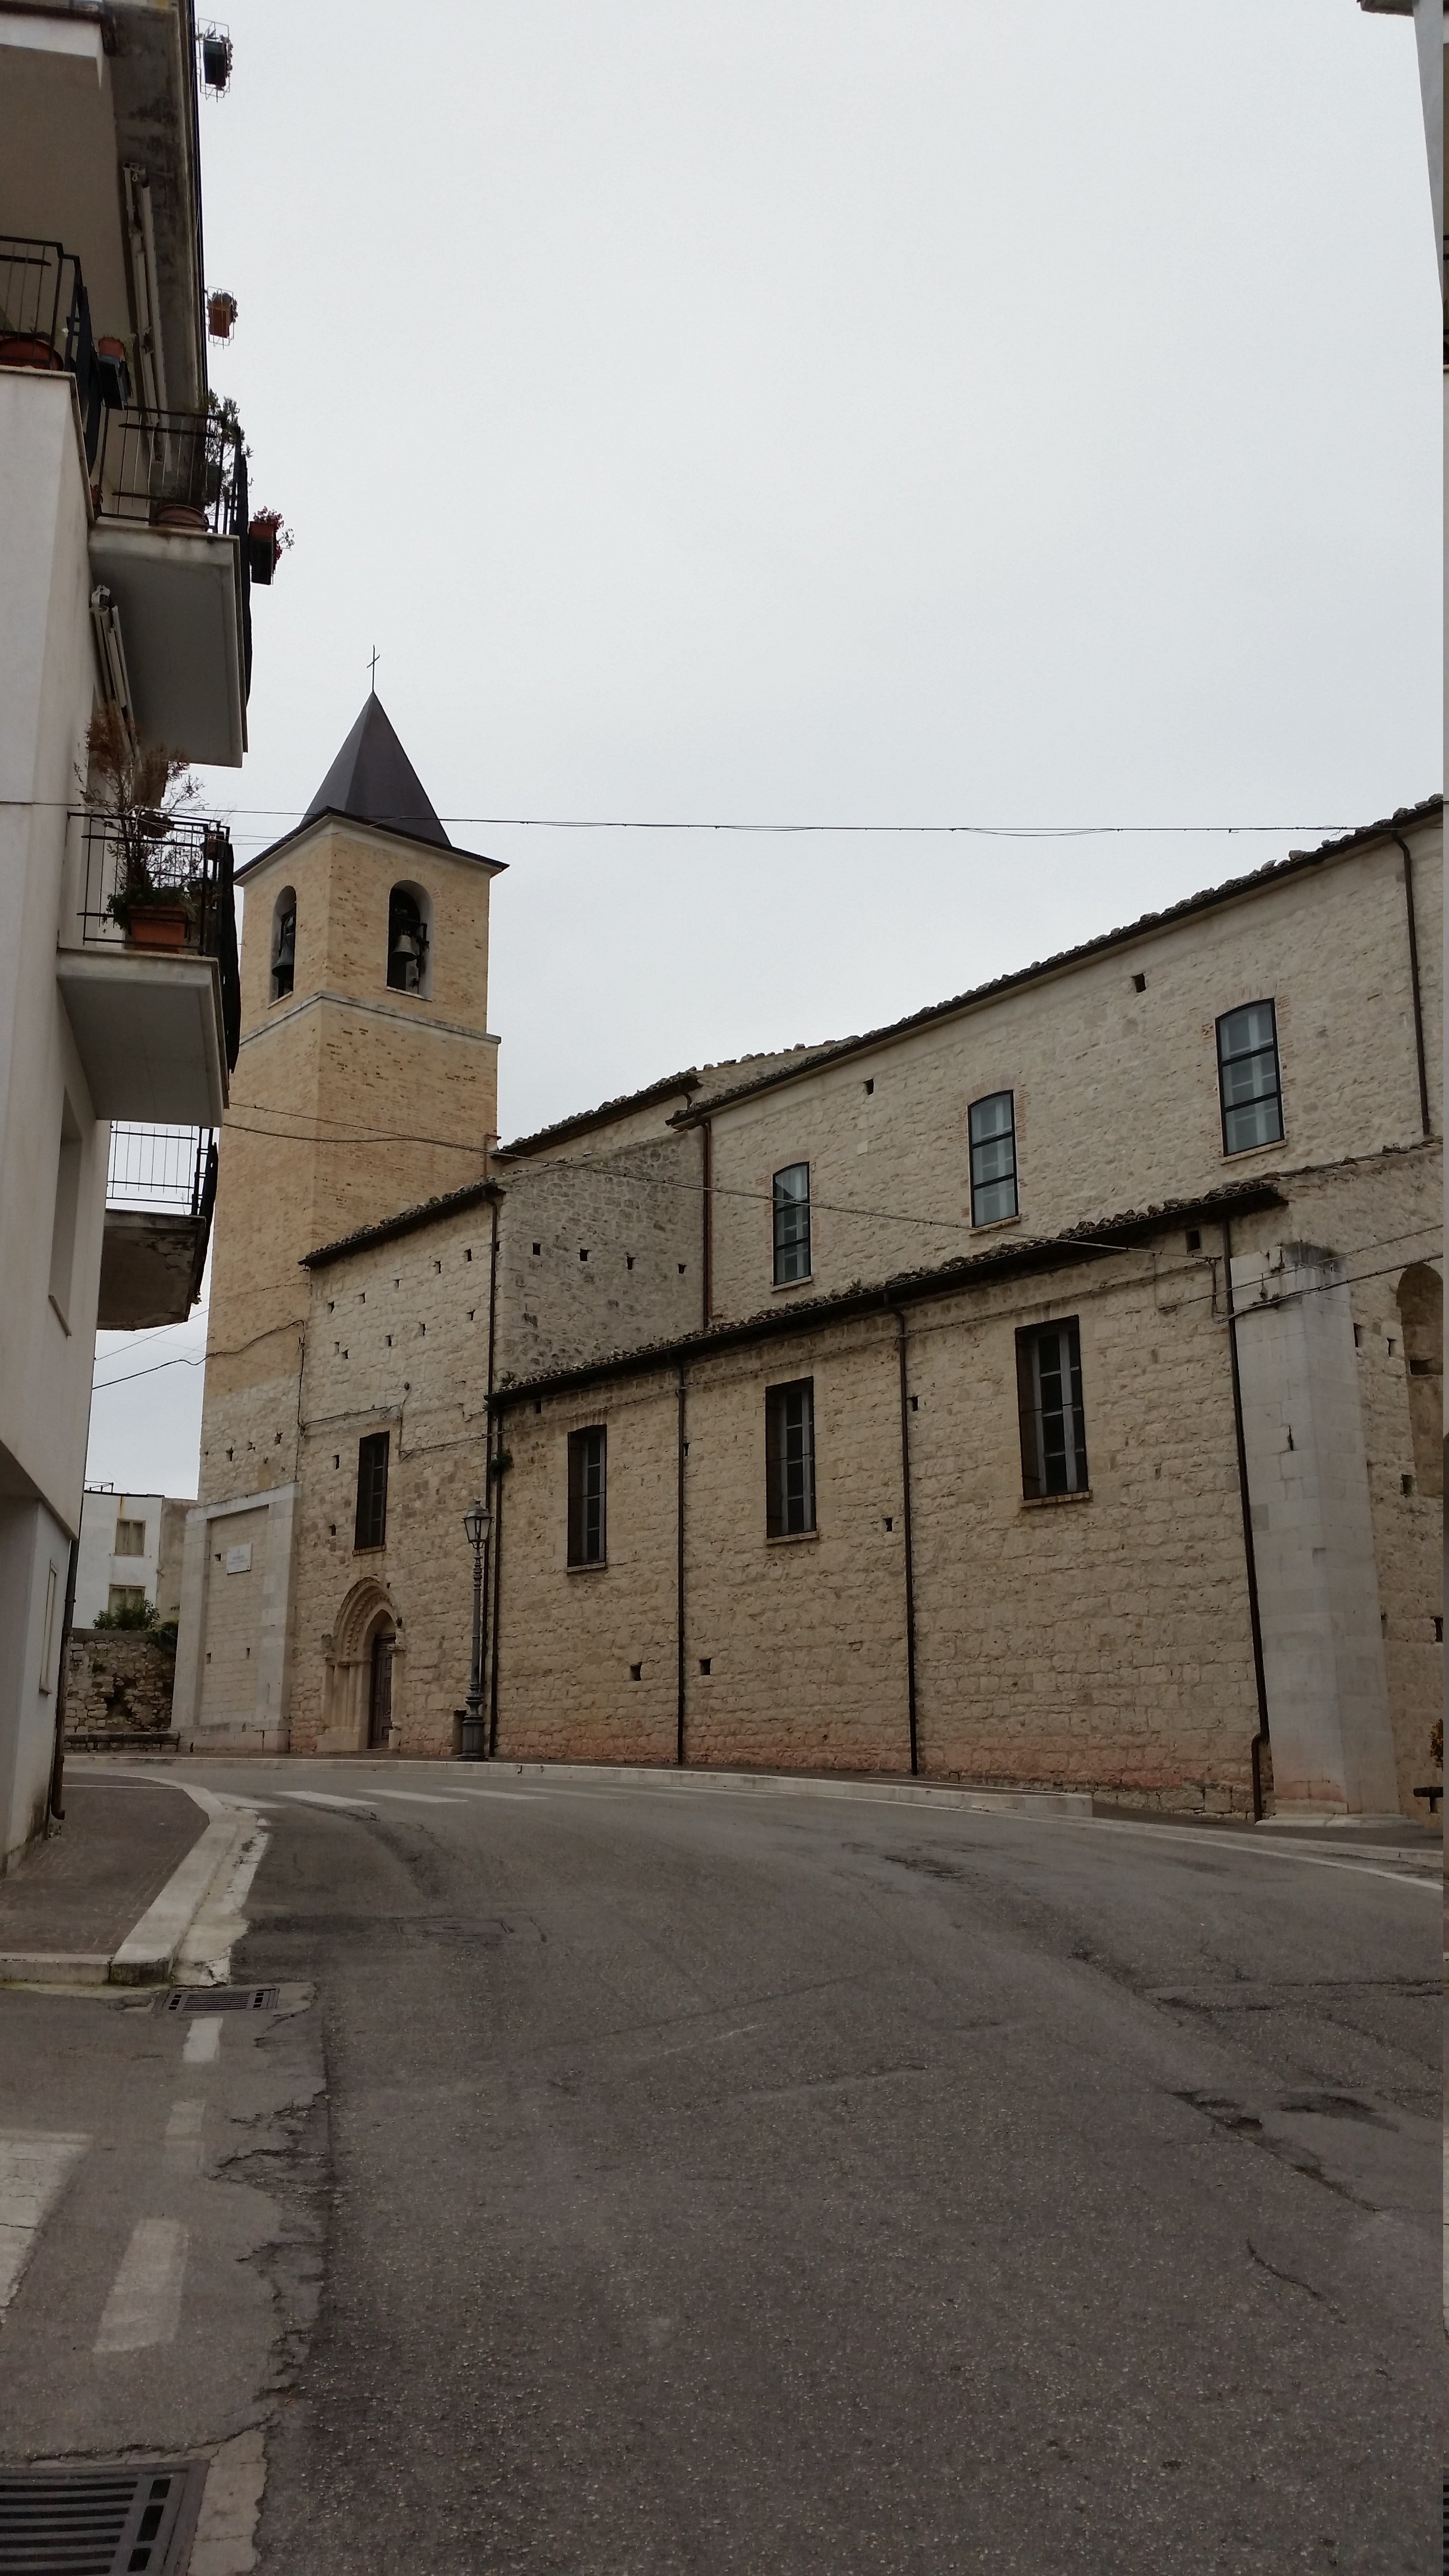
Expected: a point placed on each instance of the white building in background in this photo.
(126, 559)
(130, 1551)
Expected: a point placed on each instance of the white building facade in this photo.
(125, 562)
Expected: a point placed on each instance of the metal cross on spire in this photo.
(372, 669)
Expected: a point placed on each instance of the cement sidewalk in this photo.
(137, 1886)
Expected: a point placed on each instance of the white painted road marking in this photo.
(144, 2307)
(183, 2137)
(318, 1798)
(416, 1797)
(34, 2171)
(203, 2040)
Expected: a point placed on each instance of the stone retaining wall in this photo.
(118, 1681)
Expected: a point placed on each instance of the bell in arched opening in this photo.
(407, 942)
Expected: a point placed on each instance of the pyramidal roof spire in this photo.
(373, 779)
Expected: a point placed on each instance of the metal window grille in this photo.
(1249, 1082)
(790, 1459)
(791, 1211)
(1049, 1394)
(993, 1158)
(588, 1475)
(371, 1530)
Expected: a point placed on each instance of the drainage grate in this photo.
(122, 2521)
(214, 1999)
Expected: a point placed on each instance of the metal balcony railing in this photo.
(174, 469)
(45, 321)
(162, 885)
(162, 1170)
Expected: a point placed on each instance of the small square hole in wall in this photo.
(231, 1453)
(1438, 1632)
(470, 1314)
(1139, 983)
(869, 1088)
(1194, 1238)
(1393, 1345)
(437, 1265)
(704, 1663)
(538, 1405)
(628, 1260)
(1406, 1484)
(331, 1305)
(389, 1341)
(276, 1439)
(332, 1529)
(915, 1404)
(362, 1296)
(636, 1672)
(422, 1328)
(336, 1461)
(681, 1270)
(890, 1524)
(1358, 1337)
(537, 1249)
(468, 1255)
(583, 1256)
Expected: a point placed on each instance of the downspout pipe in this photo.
(1250, 1552)
(56, 1811)
(493, 1451)
(707, 1135)
(1413, 929)
(679, 1573)
(908, 1540)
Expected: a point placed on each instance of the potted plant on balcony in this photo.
(268, 538)
(141, 790)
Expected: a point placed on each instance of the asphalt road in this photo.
(724, 2183)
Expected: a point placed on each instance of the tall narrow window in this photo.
(1049, 1394)
(993, 1159)
(1248, 1077)
(371, 1528)
(284, 944)
(408, 941)
(790, 1459)
(65, 1212)
(587, 1469)
(792, 1223)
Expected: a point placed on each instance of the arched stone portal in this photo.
(362, 1711)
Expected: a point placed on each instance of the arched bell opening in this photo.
(284, 943)
(410, 941)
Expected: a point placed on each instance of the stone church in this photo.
(1043, 1390)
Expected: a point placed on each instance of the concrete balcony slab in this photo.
(148, 1030)
(150, 1269)
(179, 595)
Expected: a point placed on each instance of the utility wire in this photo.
(623, 823)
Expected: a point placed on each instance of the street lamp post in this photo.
(477, 1521)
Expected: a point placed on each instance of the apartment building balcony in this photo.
(147, 965)
(170, 553)
(160, 1194)
(169, 547)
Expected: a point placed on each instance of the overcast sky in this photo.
(847, 411)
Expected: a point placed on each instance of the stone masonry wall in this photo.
(1101, 1643)
(117, 1682)
(1116, 1092)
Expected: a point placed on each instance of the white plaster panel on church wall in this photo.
(235, 1606)
(1116, 1092)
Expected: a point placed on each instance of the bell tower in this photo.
(366, 1082)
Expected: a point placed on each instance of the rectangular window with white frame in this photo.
(790, 1459)
(993, 1158)
(1250, 1084)
(1049, 1397)
(791, 1213)
(588, 1478)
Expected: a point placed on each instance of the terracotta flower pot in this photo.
(27, 349)
(179, 514)
(158, 925)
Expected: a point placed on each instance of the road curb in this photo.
(150, 1950)
(903, 1793)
